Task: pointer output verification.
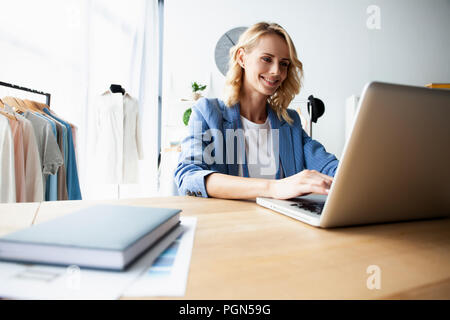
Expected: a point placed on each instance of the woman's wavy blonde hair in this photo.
(290, 87)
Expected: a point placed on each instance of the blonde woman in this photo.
(251, 145)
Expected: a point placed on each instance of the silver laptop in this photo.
(395, 165)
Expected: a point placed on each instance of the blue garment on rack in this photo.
(65, 146)
(51, 184)
(73, 184)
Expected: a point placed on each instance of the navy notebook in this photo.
(102, 236)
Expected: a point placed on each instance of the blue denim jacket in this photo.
(209, 123)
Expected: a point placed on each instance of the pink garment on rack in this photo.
(34, 186)
(16, 130)
(74, 138)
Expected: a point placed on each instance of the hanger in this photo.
(22, 107)
(10, 116)
(6, 114)
(13, 103)
(41, 106)
(33, 105)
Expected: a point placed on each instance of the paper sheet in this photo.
(168, 274)
(25, 281)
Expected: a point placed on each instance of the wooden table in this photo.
(244, 251)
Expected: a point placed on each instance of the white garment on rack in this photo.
(7, 169)
(115, 138)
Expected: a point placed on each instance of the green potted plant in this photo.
(196, 90)
(196, 94)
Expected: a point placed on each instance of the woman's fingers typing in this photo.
(316, 174)
(316, 178)
(305, 182)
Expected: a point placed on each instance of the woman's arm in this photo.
(224, 186)
(315, 155)
(317, 158)
(192, 169)
(219, 185)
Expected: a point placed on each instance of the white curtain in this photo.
(75, 49)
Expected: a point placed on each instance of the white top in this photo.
(259, 150)
(7, 170)
(115, 139)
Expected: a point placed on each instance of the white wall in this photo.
(339, 52)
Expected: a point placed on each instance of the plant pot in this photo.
(196, 96)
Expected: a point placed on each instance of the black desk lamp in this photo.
(316, 108)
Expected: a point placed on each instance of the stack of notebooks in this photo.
(101, 237)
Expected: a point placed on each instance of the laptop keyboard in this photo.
(308, 205)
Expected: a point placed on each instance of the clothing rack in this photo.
(9, 85)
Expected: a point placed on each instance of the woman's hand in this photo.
(302, 183)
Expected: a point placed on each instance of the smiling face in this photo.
(266, 65)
